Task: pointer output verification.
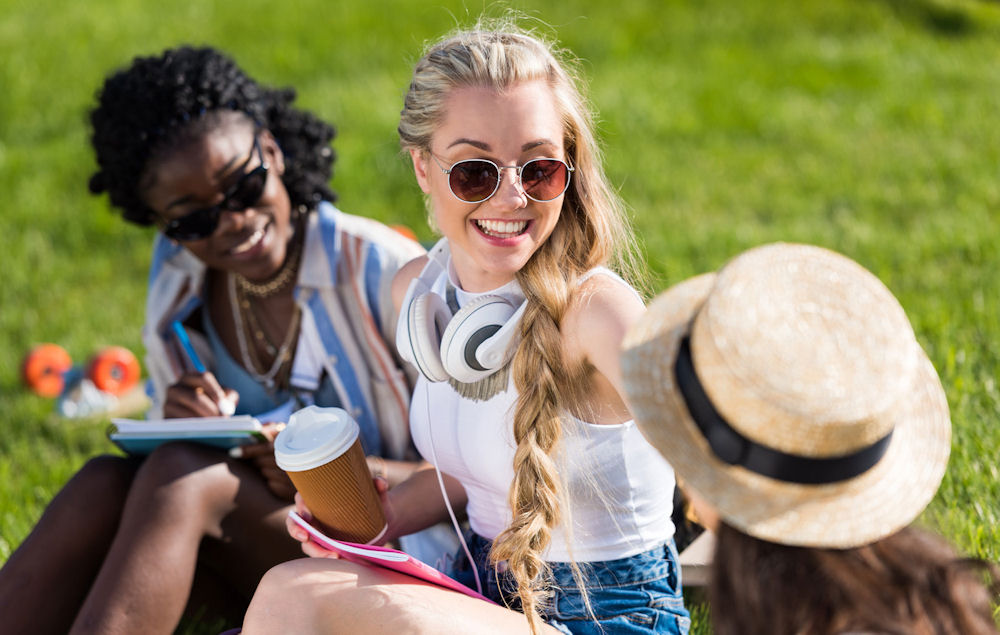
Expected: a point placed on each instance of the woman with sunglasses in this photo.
(515, 324)
(286, 301)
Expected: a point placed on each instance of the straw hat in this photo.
(828, 424)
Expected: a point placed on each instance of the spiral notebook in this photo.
(385, 557)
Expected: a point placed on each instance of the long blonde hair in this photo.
(592, 230)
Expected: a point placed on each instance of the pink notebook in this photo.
(385, 557)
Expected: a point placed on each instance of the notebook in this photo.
(385, 557)
(142, 436)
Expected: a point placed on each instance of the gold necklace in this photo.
(248, 353)
(281, 279)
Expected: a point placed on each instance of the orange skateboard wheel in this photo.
(114, 370)
(44, 368)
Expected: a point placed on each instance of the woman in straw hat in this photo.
(789, 392)
(569, 505)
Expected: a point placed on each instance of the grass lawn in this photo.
(866, 126)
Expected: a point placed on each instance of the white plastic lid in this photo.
(314, 436)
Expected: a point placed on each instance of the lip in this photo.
(503, 225)
(252, 244)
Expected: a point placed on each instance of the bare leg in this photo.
(254, 539)
(46, 579)
(182, 494)
(321, 595)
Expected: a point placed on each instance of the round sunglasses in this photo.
(244, 194)
(475, 180)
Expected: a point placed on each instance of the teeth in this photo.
(249, 243)
(501, 229)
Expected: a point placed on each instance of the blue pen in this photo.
(185, 341)
(226, 405)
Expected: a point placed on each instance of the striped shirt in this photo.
(343, 291)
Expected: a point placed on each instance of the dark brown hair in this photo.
(911, 583)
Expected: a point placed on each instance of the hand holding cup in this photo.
(321, 451)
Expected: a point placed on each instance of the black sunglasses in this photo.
(244, 194)
(475, 180)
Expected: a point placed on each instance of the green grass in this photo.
(870, 127)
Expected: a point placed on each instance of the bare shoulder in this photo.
(405, 274)
(601, 310)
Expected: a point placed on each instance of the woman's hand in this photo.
(309, 547)
(199, 395)
(262, 456)
(382, 487)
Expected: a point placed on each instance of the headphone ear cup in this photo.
(427, 317)
(475, 323)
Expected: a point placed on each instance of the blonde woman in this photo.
(515, 324)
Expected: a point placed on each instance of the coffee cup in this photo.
(320, 449)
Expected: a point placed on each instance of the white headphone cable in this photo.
(444, 493)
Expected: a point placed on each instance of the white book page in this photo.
(195, 424)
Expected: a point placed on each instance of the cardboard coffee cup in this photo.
(320, 449)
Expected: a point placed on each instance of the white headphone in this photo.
(443, 341)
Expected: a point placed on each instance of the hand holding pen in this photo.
(197, 393)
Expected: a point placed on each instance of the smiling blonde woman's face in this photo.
(493, 239)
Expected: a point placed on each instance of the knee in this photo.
(107, 472)
(186, 475)
(103, 480)
(173, 461)
(285, 597)
(295, 577)
(276, 581)
(317, 595)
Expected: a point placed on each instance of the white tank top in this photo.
(620, 488)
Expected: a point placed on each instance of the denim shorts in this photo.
(640, 594)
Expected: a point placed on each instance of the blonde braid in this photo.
(536, 492)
